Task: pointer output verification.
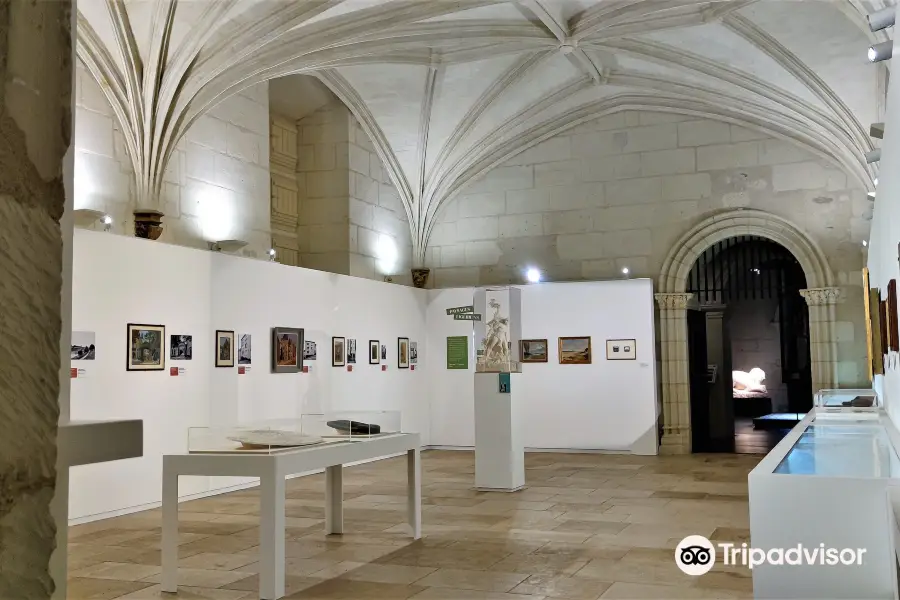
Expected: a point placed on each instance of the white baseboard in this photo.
(214, 492)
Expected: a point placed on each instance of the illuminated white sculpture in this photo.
(497, 334)
(750, 382)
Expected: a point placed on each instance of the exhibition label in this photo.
(457, 352)
(467, 317)
(460, 310)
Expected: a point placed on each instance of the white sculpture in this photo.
(495, 345)
(750, 382)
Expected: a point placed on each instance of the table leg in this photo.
(271, 536)
(169, 530)
(414, 491)
(334, 499)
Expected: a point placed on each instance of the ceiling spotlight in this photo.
(533, 275)
(875, 182)
(873, 156)
(876, 130)
(870, 195)
(881, 51)
(882, 19)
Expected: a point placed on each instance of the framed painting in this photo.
(402, 353)
(883, 326)
(224, 348)
(534, 351)
(181, 347)
(877, 356)
(374, 352)
(621, 350)
(575, 350)
(288, 350)
(145, 347)
(351, 352)
(338, 352)
(893, 329)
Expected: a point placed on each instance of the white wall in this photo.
(118, 280)
(608, 405)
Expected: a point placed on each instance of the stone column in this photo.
(676, 387)
(35, 126)
(822, 341)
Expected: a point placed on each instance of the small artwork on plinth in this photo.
(244, 349)
(309, 350)
(224, 348)
(402, 353)
(351, 352)
(337, 352)
(181, 347)
(287, 356)
(621, 350)
(575, 350)
(374, 352)
(534, 351)
(83, 347)
(413, 353)
(145, 347)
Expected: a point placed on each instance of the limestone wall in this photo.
(216, 184)
(619, 191)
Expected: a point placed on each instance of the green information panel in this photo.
(457, 352)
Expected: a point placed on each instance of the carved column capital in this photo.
(821, 296)
(674, 301)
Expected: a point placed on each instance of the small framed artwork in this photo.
(402, 353)
(621, 350)
(83, 347)
(374, 352)
(288, 350)
(575, 350)
(244, 349)
(533, 351)
(384, 352)
(309, 349)
(224, 348)
(351, 352)
(145, 347)
(893, 328)
(181, 347)
(337, 352)
(884, 325)
(413, 353)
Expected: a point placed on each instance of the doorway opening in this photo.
(748, 346)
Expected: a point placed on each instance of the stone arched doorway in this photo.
(674, 301)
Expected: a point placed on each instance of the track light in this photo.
(873, 156)
(875, 182)
(882, 19)
(876, 130)
(881, 51)
(870, 195)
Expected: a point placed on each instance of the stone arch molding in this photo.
(674, 301)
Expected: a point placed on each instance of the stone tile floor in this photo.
(588, 526)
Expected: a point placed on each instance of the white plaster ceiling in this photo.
(448, 89)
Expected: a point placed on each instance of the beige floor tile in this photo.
(292, 584)
(117, 571)
(436, 593)
(155, 592)
(337, 569)
(216, 562)
(87, 588)
(642, 591)
(635, 572)
(490, 581)
(388, 573)
(299, 567)
(540, 564)
(204, 578)
(572, 588)
(346, 589)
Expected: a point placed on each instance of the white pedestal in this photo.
(499, 450)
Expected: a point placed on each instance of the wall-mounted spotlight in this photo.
(533, 275)
(881, 51)
(876, 130)
(873, 156)
(882, 19)
(87, 217)
(865, 243)
(271, 253)
(875, 182)
(870, 195)
(227, 245)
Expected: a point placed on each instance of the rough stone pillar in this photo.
(822, 341)
(676, 383)
(35, 129)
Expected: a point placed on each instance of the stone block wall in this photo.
(216, 183)
(619, 192)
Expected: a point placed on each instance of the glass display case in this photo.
(850, 400)
(284, 435)
(499, 330)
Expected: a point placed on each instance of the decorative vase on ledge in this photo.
(148, 224)
(420, 277)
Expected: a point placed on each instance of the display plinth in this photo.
(499, 448)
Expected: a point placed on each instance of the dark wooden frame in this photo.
(533, 360)
(343, 362)
(400, 340)
(298, 366)
(893, 333)
(233, 349)
(576, 337)
(622, 342)
(162, 349)
(377, 346)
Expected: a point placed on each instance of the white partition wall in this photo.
(607, 405)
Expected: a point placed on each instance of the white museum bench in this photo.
(272, 469)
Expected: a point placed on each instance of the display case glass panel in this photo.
(847, 399)
(842, 449)
(357, 424)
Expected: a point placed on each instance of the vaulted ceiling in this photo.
(447, 90)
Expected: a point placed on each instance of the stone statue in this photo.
(750, 382)
(495, 345)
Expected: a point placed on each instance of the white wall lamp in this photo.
(881, 51)
(882, 19)
(626, 272)
(271, 254)
(865, 243)
(86, 217)
(227, 245)
(873, 156)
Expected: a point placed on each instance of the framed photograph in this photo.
(384, 352)
(533, 351)
(181, 347)
(145, 347)
(287, 356)
(309, 349)
(413, 353)
(621, 350)
(351, 352)
(374, 352)
(575, 350)
(402, 353)
(338, 358)
(244, 350)
(224, 348)
(83, 347)
(893, 329)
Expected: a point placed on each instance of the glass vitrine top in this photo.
(842, 450)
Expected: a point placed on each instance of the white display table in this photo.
(499, 447)
(272, 470)
(826, 484)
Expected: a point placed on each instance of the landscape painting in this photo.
(83, 347)
(534, 351)
(145, 347)
(575, 350)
